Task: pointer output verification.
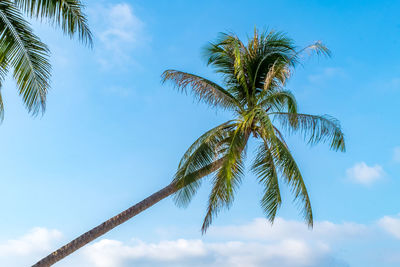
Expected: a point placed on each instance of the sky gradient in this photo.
(112, 134)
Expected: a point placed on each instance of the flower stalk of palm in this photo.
(254, 78)
(23, 51)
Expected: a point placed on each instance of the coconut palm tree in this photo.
(23, 52)
(254, 80)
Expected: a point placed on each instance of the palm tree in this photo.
(22, 50)
(254, 78)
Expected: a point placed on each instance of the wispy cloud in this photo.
(181, 252)
(396, 154)
(257, 243)
(363, 174)
(391, 225)
(119, 32)
(24, 250)
(261, 229)
(287, 243)
(122, 27)
(119, 91)
(326, 74)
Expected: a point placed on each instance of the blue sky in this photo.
(112, 135)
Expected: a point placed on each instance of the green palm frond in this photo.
(291, 172)
(279, 100)
(264, 167)
(229, 176)
(265, 127)
(241, 72)
(314, 128)
(225, 56)
(203, 89)
(213, 136)
(68, 14)
(285, 163)
(26, 54)
(279, 135)
(201, 154)
(220, 55)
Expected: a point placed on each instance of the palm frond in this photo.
(1, 107)
(279, 135)
(201, 154)
(264, 167)
(3, 73)
(266, 128)
(279, 100)
(228, 177)
(203, 89)
(277, 75)
(226, 55)
(285, 163)
(241, 72)
(27, 55)
(314, 128)
(291, 172)
(68, 14)
(272, 60)
(317, 48)
(213, 136)
(220, 55)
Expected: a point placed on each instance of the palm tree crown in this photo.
(22, 50)
(254, 79)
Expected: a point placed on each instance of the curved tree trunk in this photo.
(118, 219)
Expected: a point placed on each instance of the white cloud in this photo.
(257, 243)
(115, 253)
(286, 243)
(120, 33)
(396, 154)
(181, 252)
(122, 26)
(363, 174)
(37, 240)
(261, 229)
(390, 225)
(24, 250)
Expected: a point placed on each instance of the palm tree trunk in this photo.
(118, 219)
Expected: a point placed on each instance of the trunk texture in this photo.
(117, 220)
